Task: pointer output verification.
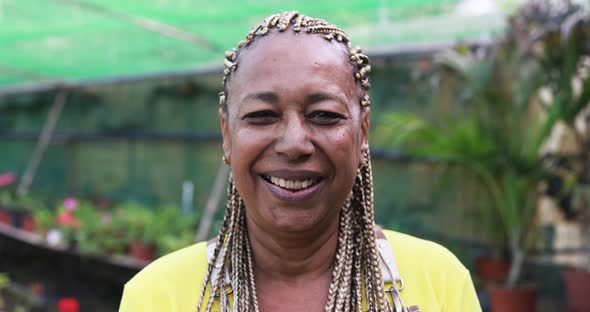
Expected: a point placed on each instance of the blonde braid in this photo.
(358, 284)
(339, 265)
(237, 273)
(254, 303)
(373, 257)
(343, 302)
(221, 237)
(356, 260)
(219, 283)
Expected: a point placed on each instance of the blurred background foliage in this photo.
(498, 123)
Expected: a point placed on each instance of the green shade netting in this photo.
(75, 40)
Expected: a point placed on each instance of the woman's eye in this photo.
(261, 117)
(325, 118)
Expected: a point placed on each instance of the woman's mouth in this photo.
(293, 189)
(291, 184)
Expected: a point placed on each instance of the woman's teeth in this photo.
(292, 184)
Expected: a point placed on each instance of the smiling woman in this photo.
(299, 231)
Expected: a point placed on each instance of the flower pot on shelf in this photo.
(492, 270)
(5, 217)
(17, 216)
(577, 284)
(520, 299)
(28, 224)
(142, 251)
(22, 219)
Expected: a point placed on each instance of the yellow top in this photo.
(434, 279)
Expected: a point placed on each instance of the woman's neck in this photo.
(294, 257)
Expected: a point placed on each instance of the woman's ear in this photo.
(225, 133)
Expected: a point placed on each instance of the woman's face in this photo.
(294, 131)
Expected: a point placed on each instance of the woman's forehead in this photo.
(293, 47)
(305, 29)
(293, 56)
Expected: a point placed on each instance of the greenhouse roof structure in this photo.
(68, 42)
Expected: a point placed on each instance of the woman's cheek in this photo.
(343, 140)
(251, 141)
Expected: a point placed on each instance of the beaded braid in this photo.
(373, 270)
(356, 263)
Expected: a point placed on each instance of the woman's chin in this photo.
(289, 220)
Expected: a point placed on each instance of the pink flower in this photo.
(7, 179)
(106, 218)
(70, 204)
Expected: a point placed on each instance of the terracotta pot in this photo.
(28, 224)
(142, 251)
(577, 284)
(5, 217)
(521, 299)
(491, 270)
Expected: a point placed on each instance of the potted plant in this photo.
(87, 233)
(68, 224)
(561, 44)
(44, 219)
(19, 209)
(177, 230)
(500, 128)
(22, 212)
(467, 145)
(13, 208)
(109, 234)
(142, 230)
(168, 243)
(111, 238)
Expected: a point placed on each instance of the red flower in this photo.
(66, 218)
(68, 305)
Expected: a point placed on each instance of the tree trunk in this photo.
(518, 258)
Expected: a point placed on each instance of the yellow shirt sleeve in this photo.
(465, 298)
(435, 280)
(138, 297)
(171, 283)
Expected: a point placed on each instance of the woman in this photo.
(299, 232)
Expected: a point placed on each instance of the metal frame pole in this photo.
(213, 202)
(44, 140)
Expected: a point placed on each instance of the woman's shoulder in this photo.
(415, 252)
(433, 276)
(189, 261)
(171, 283)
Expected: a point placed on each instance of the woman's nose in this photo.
(294, 140)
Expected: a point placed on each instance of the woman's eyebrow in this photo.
(324, 96)
(267, 96)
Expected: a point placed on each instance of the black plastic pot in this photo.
(17, 218)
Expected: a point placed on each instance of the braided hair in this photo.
(356, 277)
